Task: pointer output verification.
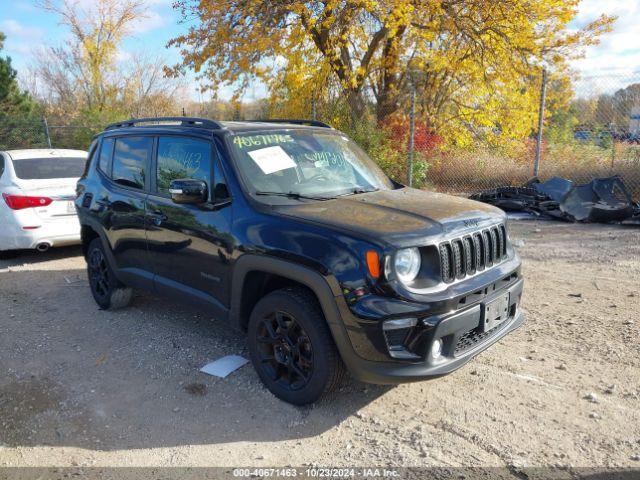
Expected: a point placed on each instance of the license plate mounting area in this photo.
(495, 312)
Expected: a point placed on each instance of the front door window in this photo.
(182, 158)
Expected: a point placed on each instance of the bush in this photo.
(80, 132)
(419, 170)
(398, 127)
(381, 148)
(21, 132)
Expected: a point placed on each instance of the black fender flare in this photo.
(97, 227)
(326, 290)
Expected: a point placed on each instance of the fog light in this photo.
(436, 349)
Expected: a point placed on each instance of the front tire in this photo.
(291, 347)
(108, 292)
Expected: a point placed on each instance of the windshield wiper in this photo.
(294, 195)
(357, 191)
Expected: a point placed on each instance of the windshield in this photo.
(48, 168)
(305, 163)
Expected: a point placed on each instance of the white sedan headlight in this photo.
(407, 264)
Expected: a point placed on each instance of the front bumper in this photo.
(460, 332)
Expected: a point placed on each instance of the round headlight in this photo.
(407, 264)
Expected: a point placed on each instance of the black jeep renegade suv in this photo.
(287, 230)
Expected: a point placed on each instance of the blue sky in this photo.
(29, 28)
(615, 62)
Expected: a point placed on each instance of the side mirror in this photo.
(186, 191)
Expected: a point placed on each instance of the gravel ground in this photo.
(84, 387)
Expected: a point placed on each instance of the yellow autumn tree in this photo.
(96, 32)
(474, 63)
(85, 82)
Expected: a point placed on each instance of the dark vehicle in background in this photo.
(288, 231)
(604, 137)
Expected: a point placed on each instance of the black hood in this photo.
(399, 217)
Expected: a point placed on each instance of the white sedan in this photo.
(38, 190)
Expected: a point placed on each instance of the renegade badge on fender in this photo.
(288, 231)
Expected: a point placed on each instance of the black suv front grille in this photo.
(467, 255)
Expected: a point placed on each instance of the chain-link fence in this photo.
(601, 136)
(579, 128)
(595, 134)
(22, 133)
(590, 128)
(37, 133)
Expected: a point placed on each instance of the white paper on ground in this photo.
(224, 366)
(272, 159)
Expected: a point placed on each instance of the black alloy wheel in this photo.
(286, 353)
(99, 273)
(108, 292)
(292, 348)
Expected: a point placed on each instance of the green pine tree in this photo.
(12, 101)
(20, 126)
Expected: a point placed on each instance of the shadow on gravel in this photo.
(74, 375)
(22, 257)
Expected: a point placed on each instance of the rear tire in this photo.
(291, 347)
(108, 292)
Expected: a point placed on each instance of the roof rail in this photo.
(311, 123)
(183, 121)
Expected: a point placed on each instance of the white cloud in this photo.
(21, 41)
(13, 28)
(150, 21)
(123, 56)
(618, 50)
(23, 49)
(26, 7)
(615, 62)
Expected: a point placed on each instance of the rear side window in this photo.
(182, 157)
(48, 168)
(1, 164)
(106, 152)
(130, 160)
